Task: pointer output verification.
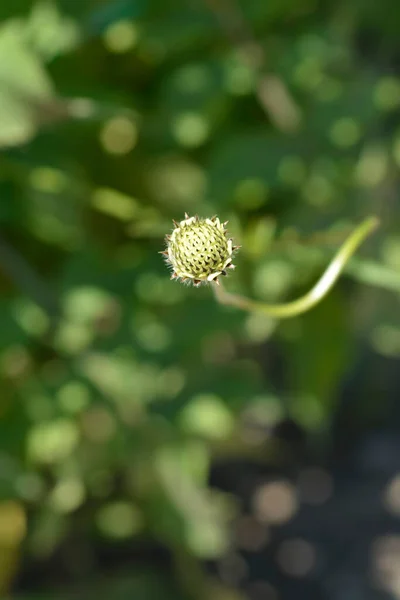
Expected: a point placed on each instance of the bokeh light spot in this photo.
(308, 73)
(67, 495)
(115, 204)
(218, 348)
(193, 79)
(250, 534)
(259, 327)
(239, 79)
(296, 557)
(318, 190)
(30, 317)
(98, 425)
(391, 496)
(259, 417)
(119, 135)
(391, 251)
(387, 93)
(345, 132)
(207, 415)
(121, 36)
(15, 362)
(329, 90)
(72, 337)
(119, 520)
(86, 304)
(275, 502)
(206, 540)
(232, 569)
(48, 180)
(154, 337)
(385, 557)
(292, 171)
(190, 129)
(12, 523)
(52, 442)
(177, 181)
(153, 288)
(171, 382)
(73, 397)
(308, 411)
(372, 166)
(30, 486)
(315, 486)
(385, 339)
(251, 193)
(272, 279)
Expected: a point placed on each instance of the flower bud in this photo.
(198, 250)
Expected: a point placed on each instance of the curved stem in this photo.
(321, 288)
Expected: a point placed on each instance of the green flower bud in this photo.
(198, 250)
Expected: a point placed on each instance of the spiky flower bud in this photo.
(198, 250)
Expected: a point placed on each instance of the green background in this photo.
(154, 444)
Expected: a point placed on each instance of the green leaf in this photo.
(25, 87)
(317, 359)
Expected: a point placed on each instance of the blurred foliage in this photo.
(121, 390)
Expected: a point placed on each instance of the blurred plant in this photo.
(199, 252)
(271, 91)
(126, 399)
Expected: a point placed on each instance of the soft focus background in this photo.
(153, 444)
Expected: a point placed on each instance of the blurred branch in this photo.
(272, 93)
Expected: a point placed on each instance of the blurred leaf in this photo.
(318, 356)
(373, 273)
(24, 86)
(49, 32)
(184, 512)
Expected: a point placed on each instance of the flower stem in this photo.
(317, 293)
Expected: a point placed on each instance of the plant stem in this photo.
(317, 293)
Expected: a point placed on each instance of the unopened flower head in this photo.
(198, 250)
